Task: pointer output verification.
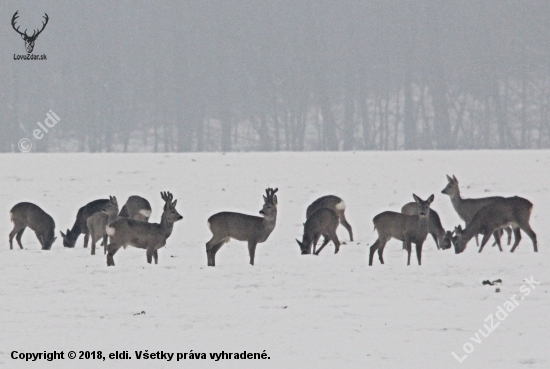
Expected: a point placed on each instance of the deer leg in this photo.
(212, 247)
(532, 235)
(93, 244)
(18, 237)
(496, 235)
(408, 248)
(334, 238)
(517, 238)
(86, 238)
(326, 240)
(419, 252)
(373, 249)
(252, 251)
(150, 253)
(346, 225)
(112, 249)
(477, 240)
(485, 239)
(15, 231)
(434, 236)
(509, 232)
(156, 256)
(315, 240)
(214, 251)
(381, 251)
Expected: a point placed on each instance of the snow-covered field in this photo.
(305, 311)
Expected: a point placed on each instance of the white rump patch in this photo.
(208, 225)
(341, 205)
(11, 217)
(110, 231)
(145, 213)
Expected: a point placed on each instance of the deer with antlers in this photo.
(149, 236)
(29, 40)
(242, 227)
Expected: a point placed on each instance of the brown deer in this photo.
(80, 226)
(442, 238)
(403, 227)
(467, 208)
(322, 222)
(97, 223)
(136, 208)
(512, 211)
(26, 214)
(242, 227)
(334, 203)
(149, 236)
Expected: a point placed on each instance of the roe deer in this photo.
(441, 237)
(97, 223)
(323, 222)
(512, 211)
(403, 227)
(80, 226)
(149, 236)
(467, 208)
(242, 227)
(26, 214)
(335, 204)
(136, 208)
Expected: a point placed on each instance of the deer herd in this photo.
(129, 226)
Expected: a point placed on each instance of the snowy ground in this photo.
(305, 311)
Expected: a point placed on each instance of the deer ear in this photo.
(449, 178)
(454, 179)
(275, 199)
(62, 235)
(115, 200)
(55, 238)
(23, 37)
(265, 198)
(299, 243)
(174, 203)
(430, 199)
(416, 198)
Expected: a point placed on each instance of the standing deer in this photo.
(80, 226)
(242, 227)
(26, 214)
(97, 223)
(136, 208)
(467, 208)
(512, 211)
(149, 236)
(322, 222)
(334, 203)
(403, 227)
(441, 237)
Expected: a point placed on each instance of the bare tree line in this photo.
(264, 75)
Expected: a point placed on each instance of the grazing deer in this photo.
(467, 208)
(97, 223)
(149, 236)
(334, 203)
(80, 226)
(136, 208)
(323, 222)
(441, 237)
(242, 227)
(26, 214)
(403, 227)
(512, 211)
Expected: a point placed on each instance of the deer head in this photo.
(29, 40)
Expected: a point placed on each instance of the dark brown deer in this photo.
(29, 40)
(442, 238)
(80, 226)
(26, 214)
(323, 222)
(136, 208)
(242, 227)
(97, 223)
(512, 211)
(467, 208)
(149, 236)
(334, 203)
(403, 227)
